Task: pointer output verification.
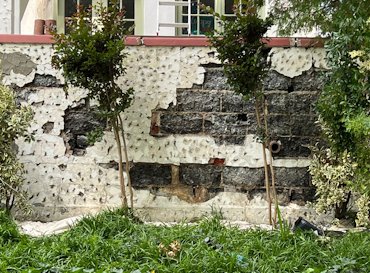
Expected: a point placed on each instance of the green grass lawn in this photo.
(110, 242)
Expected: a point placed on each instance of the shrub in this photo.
(91, 56)
(344, 103)
(243, 54)
(14, 121)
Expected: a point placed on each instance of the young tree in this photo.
(344, 103)
(244, 56)
(91, 56)
(14, 121)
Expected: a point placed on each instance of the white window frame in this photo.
(220, 6)
(61, 13)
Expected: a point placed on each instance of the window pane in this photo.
(70, 8)
(209, 3)
(194, 25)
(229, 6)
(130, 24)
(207, 24)
(185, 10)
(86, 3)
(129, 7)
(184, 20)
(194, 7)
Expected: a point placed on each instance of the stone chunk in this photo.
(226, 124)
(81, 120)
(150, 174)
(310, 80)
(301, 102)
(244, 177)
(279, 125)
(78, 122)
(215, 79)
(305, 125)
(278, 102)
(234, 103)
(292, 177)
(198, 174)
(181, 123)
(190, 100)
(276, 81)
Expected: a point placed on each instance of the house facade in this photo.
(18, 16)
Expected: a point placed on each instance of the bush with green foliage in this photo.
(344, 103)
(9, 232)
(243, 54)
(91, 56)
(14, 121)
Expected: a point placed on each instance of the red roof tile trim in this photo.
(166, 41)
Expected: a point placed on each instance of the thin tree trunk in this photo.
(127, 163)
(267, 180)
(273, 188)
(120, 165)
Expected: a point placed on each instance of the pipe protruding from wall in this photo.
(275, 146)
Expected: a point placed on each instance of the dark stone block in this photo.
(242, 176)
(148, 174)
(276, 81)
(198, 101)
(181, 123)
(277, 102)
(234, 103)
(208, 176)
(81, 119)
(215, 79)
(226, 124)
(302, 102)
(295, 146)
(292, 177)
(305, 125)
(311, 80)
(279, 125)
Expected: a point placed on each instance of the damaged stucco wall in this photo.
(177, 173)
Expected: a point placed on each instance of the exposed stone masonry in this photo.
(213, 110)
(226, 117)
